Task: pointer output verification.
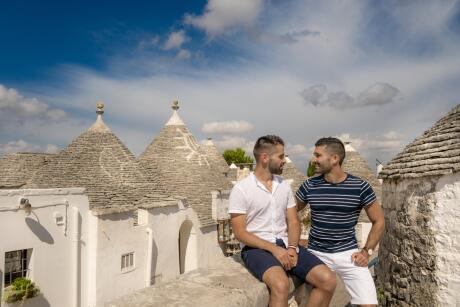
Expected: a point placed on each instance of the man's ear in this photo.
(264, 156)
(335, 159)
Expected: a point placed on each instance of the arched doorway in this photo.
(187, 247)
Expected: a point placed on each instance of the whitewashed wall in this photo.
(116, 235)
(447, 234)
(165, 223)
(52, 256)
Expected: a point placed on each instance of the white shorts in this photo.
(358, 280)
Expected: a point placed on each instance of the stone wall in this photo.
(447, 237)
(407, 266)
(228, 284)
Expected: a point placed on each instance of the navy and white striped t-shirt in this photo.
(335, 210)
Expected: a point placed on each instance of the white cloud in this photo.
(175, 40)
(149, 42)
(222, 15)
(265, 37)
(227, 127)
(232, 142)
(16, 108)
(23, 146)
(183, 54)
(296, 150)
(389, 141)
(376, 95)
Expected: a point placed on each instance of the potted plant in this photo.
(20, 290)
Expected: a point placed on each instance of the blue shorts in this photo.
(259, 260)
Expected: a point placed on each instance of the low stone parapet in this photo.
(228, 284)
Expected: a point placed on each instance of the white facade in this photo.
(107, 255)
(180, 242)
(55, 233)
(447, 215)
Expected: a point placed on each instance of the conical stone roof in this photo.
(17, 168)
(184, 167)
(98, 161)
(436, 152)
(355, 164)
(215, 157)
(290, 172)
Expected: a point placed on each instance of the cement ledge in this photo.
(228, 284)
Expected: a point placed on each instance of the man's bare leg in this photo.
(277, 281)
(323, 281)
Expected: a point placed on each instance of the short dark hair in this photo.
(333, 146)
(265, 143)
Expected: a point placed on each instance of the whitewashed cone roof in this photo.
(356, 165)
(215, 157)
(290, 171)
(98, 161)
(436, 152)
(17, 168)
(184, 166)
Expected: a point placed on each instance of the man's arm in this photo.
(375, 214)
(293, 226)
(300, 204)
(241, 234)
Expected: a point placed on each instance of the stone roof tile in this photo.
(290, 172)
(98, 161)
(436, 152)
(356, 165)
(17, 168)
(184, 167)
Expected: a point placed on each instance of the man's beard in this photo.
(321, 169)
(275, 169)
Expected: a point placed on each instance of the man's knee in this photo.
(322, 277)
(277, 280)
(329, 281)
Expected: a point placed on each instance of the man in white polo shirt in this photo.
(264, 219)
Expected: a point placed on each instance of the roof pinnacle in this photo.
(100, 108)
(175, 105)
(99, 125)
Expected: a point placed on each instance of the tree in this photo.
(237, 156)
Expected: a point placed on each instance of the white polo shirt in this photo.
(265, 211)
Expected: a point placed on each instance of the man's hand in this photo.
(293, 257)
(360, 258)
(283, 257)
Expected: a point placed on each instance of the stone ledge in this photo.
(228, 284)
(42, 192)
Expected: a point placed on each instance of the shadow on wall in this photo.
(154, 260)
(39, 231)
(38, 301)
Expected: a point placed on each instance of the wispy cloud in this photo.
(376, 95)
(16, 108)
(23, 146)
(227, 127)
(175, 40)
(389, 141)
(220, 16)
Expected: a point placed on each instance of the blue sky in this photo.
(374, 73)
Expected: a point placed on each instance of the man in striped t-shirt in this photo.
(336, 200)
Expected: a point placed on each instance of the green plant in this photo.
(21, 289)
(237, 156)
(310, 169)
(381, 296)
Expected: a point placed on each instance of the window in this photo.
(16, 265)
(127, 262)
